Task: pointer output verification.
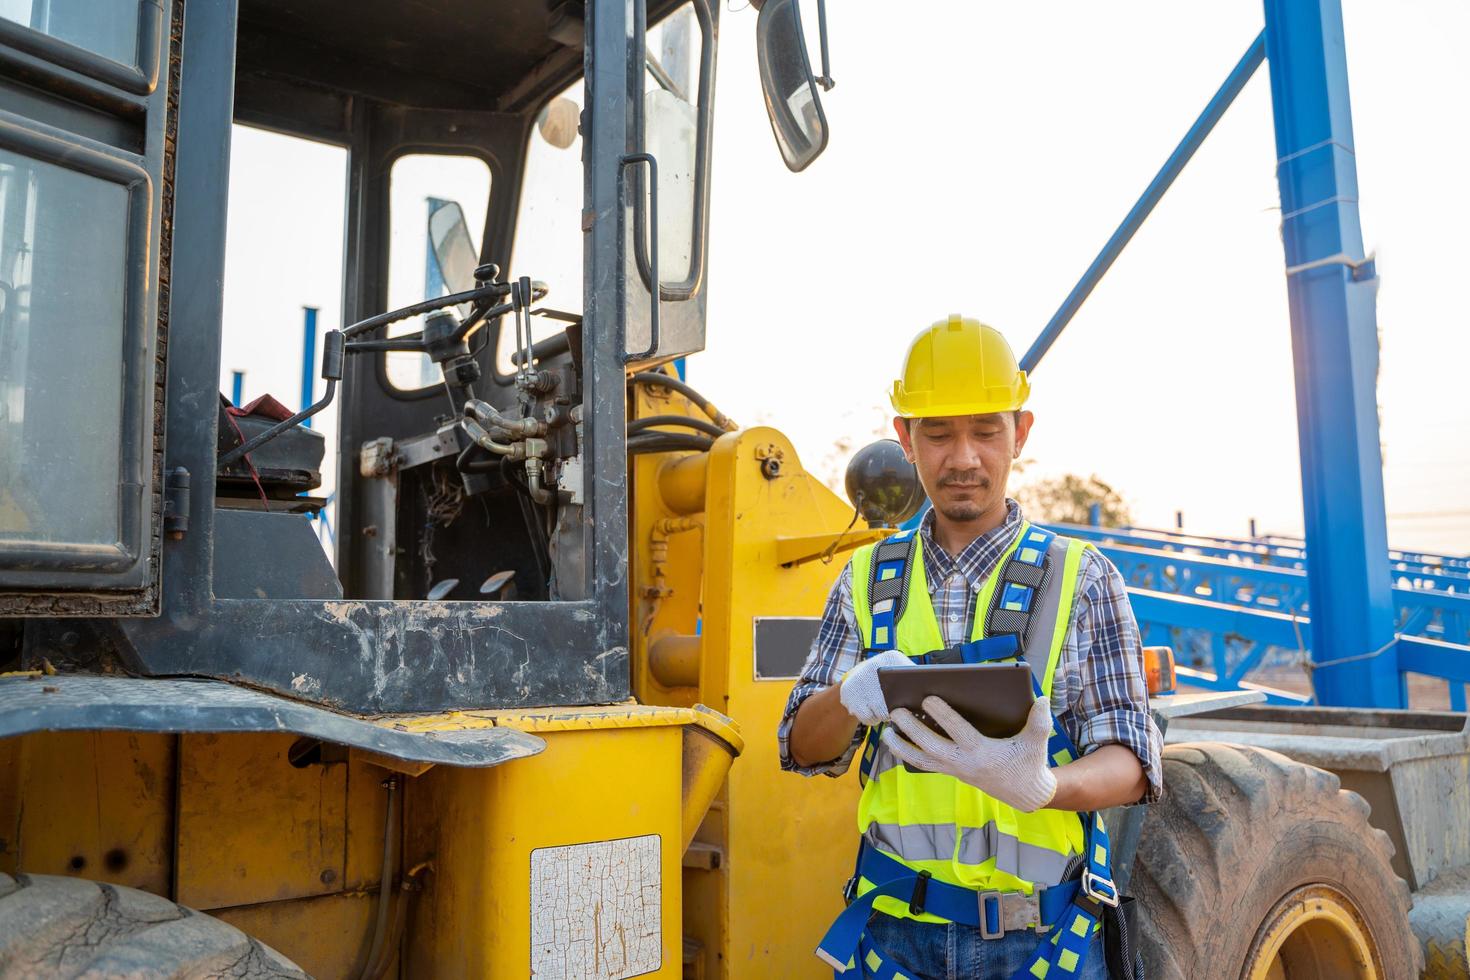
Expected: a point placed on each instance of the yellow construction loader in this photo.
(522, 722)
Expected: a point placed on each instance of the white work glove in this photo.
(860, 693)
(1013, 770)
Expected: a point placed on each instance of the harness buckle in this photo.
(849, 890)
(1108, 895)
(921, 890)
(1014, 912)
(1041, 927)
(1000, 924)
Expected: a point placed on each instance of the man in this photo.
(979, 857)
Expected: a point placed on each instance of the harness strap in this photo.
(994, 913)
(888, 586)
(888, 589)
(1022, 581)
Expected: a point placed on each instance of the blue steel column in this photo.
(1335, 348)
(308, 359)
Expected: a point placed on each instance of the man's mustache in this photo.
(967, 478)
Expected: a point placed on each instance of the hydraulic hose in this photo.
(406, 888)
(667, 442)
(464, 464)
(682, 421)
(705, 405)
(385, 885)
(484, 438)
(508, 471)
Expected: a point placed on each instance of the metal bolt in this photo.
(328, 876)
(770, 467)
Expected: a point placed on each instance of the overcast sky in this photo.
(980, 155)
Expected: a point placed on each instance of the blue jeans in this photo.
(948, 951)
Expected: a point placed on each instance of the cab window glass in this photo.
(670, 129)
(433, 198)
(105, 27)
(548, 239)
(63, 256)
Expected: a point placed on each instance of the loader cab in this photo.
(147, 525)
(457, 161)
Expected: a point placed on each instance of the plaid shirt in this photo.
(1099, 695)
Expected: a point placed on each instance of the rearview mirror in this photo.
(790, 90)
(453, 252)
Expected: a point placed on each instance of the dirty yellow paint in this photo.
(95, 805)
(536, 720)
(327, 936)
(661, 487)
(480, 827)
(251, 827)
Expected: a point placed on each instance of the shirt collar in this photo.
(977, 559)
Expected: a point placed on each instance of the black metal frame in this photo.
(90, 114)
(388, 655)
(411, 655)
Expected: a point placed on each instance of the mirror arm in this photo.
(825, 79)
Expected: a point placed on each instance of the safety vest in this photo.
(932, 822)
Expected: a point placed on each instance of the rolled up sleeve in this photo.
(835, 651)
(1111, 686)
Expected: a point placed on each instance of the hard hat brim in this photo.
(987, 401)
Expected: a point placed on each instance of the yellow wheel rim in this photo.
(1314, 933)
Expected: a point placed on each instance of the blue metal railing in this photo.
(1231, 606)
(1405, 573)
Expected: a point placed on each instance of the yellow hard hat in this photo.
(959, 366)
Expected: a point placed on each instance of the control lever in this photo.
(333, 351)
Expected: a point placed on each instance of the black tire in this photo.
(52, 926)
(1240, 829)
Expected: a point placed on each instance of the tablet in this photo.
(995, 698)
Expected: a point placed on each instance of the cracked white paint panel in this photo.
(596, 909)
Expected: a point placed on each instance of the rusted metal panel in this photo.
(253, 828)
(93, 805)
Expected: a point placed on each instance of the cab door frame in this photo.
(75, 108)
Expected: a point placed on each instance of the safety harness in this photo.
(1065, 915)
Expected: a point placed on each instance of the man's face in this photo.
(964, 461)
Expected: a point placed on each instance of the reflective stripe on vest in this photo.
(934, 822)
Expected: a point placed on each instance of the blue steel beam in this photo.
(1331, 293)
(1212, 682)
(1435, 659)
(1152, 194)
